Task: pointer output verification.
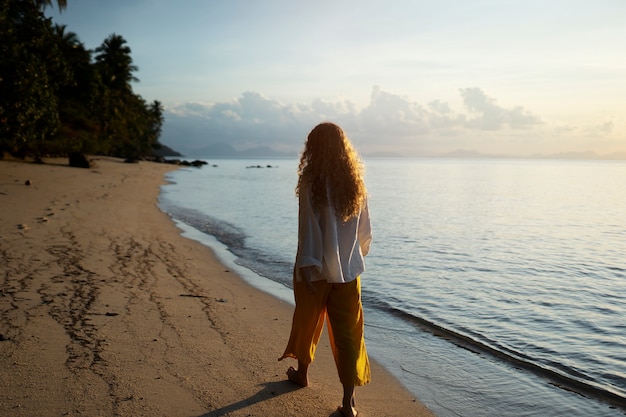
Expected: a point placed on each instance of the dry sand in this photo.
(105, 310)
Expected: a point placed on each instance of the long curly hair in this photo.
(331, 167)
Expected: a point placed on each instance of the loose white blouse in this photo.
(334, 248)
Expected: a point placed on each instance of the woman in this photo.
(334, 235)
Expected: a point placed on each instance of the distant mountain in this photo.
(587, 155)
(166, 151)
(382, 155)
(227, 151)
(616, 156)
(224, 150)
(463, 153)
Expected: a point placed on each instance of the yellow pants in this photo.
(341, 305)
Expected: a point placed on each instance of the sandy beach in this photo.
(106, 310)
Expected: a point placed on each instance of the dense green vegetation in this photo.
(59, 98)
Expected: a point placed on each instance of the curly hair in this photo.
(333, 170)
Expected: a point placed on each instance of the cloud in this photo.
(389, 123)
(250, 120)
(391, 113)
(602, 129)
(489, 116)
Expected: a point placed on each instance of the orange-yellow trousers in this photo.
(341, 305)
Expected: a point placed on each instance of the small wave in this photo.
(558, 379)
(235, 240)
(229, 235)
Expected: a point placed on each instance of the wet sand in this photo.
(105, 310)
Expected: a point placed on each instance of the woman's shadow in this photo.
(270, 390)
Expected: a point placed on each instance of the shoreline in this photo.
(107, 309)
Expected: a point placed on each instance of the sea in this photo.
(494, 287)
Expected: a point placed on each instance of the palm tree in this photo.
(77, 91)
(70, 38)
(73, 51)
(62, 4)
(155, 109)
(29, 63)
(115, 63)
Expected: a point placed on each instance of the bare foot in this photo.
(347, 412)
(296, 377)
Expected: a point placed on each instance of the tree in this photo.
(41, 4)
(77, 96)
(54, 99)
(28, 58)
(67, 40)
(156, 119)
(115, 63)
(77, 61)
(123, 115)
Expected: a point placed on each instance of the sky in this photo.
(406, 77)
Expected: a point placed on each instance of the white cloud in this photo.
(392, 114)
(489, 116)
(602, 129)
(389, 123)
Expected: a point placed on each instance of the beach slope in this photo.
(106, 310)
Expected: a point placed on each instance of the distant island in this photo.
(587, 155)
(165, 151)
(227, 151)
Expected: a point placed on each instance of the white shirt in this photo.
(335, 249)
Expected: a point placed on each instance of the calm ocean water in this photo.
(493, 287)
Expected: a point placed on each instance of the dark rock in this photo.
(79, 160)
(198, 163)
